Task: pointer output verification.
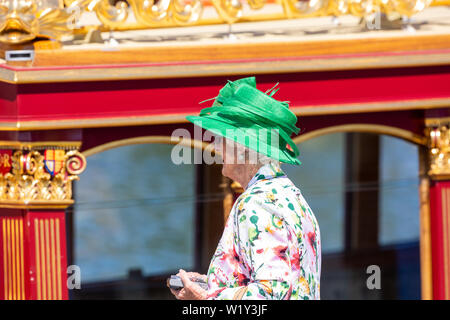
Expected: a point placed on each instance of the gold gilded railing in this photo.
(24, 20)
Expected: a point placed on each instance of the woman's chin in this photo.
(226, 171)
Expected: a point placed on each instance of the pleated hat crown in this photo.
(253, 118)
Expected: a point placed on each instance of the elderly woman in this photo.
(270, 247)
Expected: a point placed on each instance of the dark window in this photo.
(133, 222)
(363, 189)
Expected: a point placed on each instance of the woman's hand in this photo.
(191, 290)
(196, 275)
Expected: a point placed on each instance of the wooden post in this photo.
(33, 244)
(439, 173)
(35, 189)
(425, 227)
(440, 237)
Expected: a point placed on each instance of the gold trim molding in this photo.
(22, 22)
(425, 227)
(361, 127)
(175, 70)
(40, 145)
(436, 122)
(39, 178)
(35, 204)
(148, 139)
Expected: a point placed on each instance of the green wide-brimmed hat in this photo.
(253, 118)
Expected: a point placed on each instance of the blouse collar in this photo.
(266, 172)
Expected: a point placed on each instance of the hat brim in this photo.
(224, 129)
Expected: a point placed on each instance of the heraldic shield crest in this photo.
(54, 161)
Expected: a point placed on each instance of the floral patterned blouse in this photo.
(270, 245)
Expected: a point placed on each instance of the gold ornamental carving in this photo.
(39, 178)
(24, 20)
(439, 148)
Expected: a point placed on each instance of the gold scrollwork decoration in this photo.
(256, 4)
(302, 9)
(110, 15)
(184, 14)
(24, 20)
(409, 7)
(165, 12)
(75, 162)
(229, 10)
(150, 12)
(29, 183)
(362, 8)
(338, 7)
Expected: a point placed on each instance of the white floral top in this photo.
(270, 245)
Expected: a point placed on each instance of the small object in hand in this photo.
(175, 283)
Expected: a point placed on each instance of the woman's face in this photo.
(226, 149)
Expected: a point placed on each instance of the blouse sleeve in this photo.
(262, 245)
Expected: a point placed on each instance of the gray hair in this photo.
(247, 155)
